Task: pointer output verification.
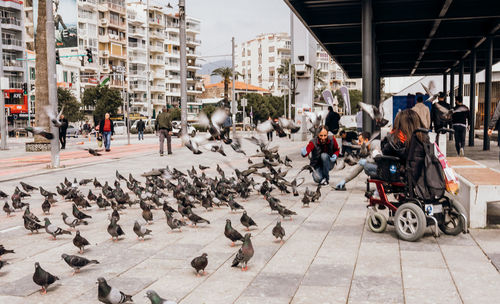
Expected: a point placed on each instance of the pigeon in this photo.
(306, 200)
(31, 215)
(147, 215)
(3, 263)
(85, 181)
(203, 167)
(232, 233)
(4, 251)
(91, 196)
(96, 183)
(247, 221)
(119, 176)
(109, 295)
(94, 152)
(40, 131)
(45, 192)
(3, 194)
(78, 214)
(8, 209)
(28, 188)
(284, 212)
(278, 231)
(234, 205)
(194, 218)
(31, 225)
(71, 221)
(200, 263)
(102, 202)
(141, 230)
(375, 113)
(156, 299)
(80, 242)
(174, 223)
(54, 116)
(316, 118)
(46, 206)
(53, 229)
(77, 262)
(43, 278)
(244, 254)
(115, 230)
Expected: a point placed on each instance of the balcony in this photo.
(157, 35)
(158, 101)
(158, 75)
(156, 48)
(193, 41)
(11, 23)
(156, 22)
(195, 66)
(117, 24)
(156, 62)
(138, 60)
(141, 46)
(193, 54)
(134, 72)
(103, 38)
(103, 22)
(104, 54)
(117, 8)
(87, 3)
(172, 54)
(172, 66)
(158, 88)
(173, 79)
(136, 32)
(117, 38)
(13, 43)
(138, 87)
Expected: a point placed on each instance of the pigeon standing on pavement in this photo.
(174, 223)
(109, 295)
(200, 263)
(8, 209)
(115, 230)
(141, 230)
(278, 231)
(78, 214)
(232, 233)
(4, 251)
(247, 221)
(244, 254)
(80, 242)
(31, 225)
(71, 221)
(53, 229)
(46, 206)
(156, 299)
(77, 262)
(43, 278)
(28, 188)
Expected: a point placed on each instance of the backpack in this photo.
(424, 170)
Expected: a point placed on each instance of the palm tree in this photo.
(41, 79)
(226, 74)
(319, 84)
(283, 76)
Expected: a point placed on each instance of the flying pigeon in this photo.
(375, 113)
(40, 131)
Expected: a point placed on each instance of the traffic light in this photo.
(89, 56)
(25, 88)
(58, 59)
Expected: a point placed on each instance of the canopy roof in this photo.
(413, 37)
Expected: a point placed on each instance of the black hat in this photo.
(442, 95)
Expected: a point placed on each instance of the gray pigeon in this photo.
(278, 231)
(71, 221)
(141, 230)
(77, 262)
(53, 229)
(244, 254)
(200, 263)
(109, 295)
(43, 278)
(80, 242)
(247, 221)
(156, 299)
(115, 230)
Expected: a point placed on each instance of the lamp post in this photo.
(183, 62)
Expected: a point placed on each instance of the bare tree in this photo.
(41, 81)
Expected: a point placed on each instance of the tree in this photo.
(283, 76)
(41, 79)
(72, 108)
(104, 100)
(226, 74)
(175, 113)
(208, 110)
(355, 96)
(264, 106)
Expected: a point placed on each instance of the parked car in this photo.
(149, 129)
(176, 129)
(72, 132)
(120, 127)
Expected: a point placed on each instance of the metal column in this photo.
(234, 105)
(472, 104)
(452, 87)
(487, 92)
(183, 61)
(445, 84)
(367, 58)
(3, 118)
(461, 79)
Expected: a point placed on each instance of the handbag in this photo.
(450, 177)
(99, 141)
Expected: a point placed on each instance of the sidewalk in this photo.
(328, 256)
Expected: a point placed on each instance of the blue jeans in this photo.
(370, 169)
(106, 136)
(141, 135)
(323, 171)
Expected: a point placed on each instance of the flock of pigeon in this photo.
(178, 194)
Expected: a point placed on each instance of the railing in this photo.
(12, 41)
(117, 23)
(117, 7)
(138, 87)
(193, 40)
(172, 53)
(12, 63)
(157, 61)
(177, 78)
(136, 32)
(155, 21)
(172, 25)
(15, 84)
(137, 45)
(11, 20)
(158, 88)
(194, 65)
(136, 72)
(156, 48)
(88, 1)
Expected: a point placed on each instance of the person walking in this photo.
(423, 111)
(438, 121)
(62, 131)
(332, 120)
(106, 128)
(324, 151)
(460, 119)
(140, 129)
(228, 123)
(270, 133)
(163, 126)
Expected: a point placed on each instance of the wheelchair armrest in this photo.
(387, 157)
(445, 130)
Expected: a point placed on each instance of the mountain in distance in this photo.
(208, 67)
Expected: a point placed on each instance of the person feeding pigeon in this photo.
(324, 151)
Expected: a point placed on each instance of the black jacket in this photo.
(141, 126)
(392, 146)
(101, 127)
(332, 121)
(495, 120)
(437, 119)
(64, 126)
(461, 115)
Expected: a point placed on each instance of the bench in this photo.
(479, 186)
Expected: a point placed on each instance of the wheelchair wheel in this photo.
(452, 223)
(410, 222)
(376, 222)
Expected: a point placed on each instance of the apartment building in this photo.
(13, 42)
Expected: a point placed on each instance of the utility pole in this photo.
(29, 87)
(52, 81)
(148, 67)
(233, 95)
(3, 124)
(182, 42)
(290, 69)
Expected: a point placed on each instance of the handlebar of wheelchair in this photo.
(445, 130)
(423, 130)
(381, 156)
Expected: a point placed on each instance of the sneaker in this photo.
(340, 188)
(325, 182)
(462, 153)
(161, 154)
(107, 150)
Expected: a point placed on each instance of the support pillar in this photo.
(461, 79)
(487, 92)
(452, 87)
(367, 58)
(445, 84)
(472, 104)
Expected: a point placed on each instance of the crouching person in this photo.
(324, 151)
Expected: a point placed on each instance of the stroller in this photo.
(420, 194)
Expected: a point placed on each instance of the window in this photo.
(271, 59)
(32, 73)
(72, 77)
(271, 49)
(65, 76)
(248, 53)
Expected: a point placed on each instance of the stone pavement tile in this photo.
(427, 278)
(457, 240)
(328, 275)
(128, 285)
(428, 259)
(260, 300)
(495, 259)
(376, 289)
(175, 284)
(424, 244)
(488, 241)
(320, 295)
(21, 287)
(219, 290)
(432, 296)
(12, 300)
(273, 285)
